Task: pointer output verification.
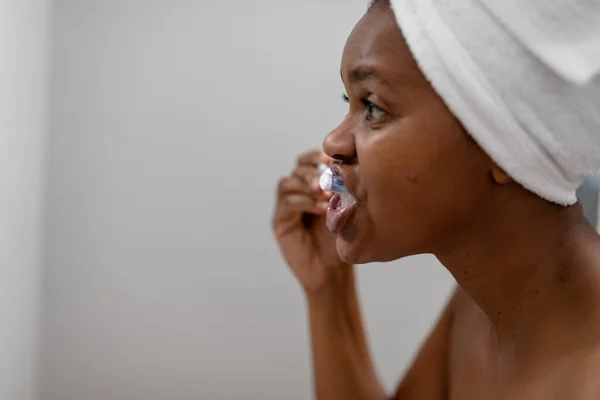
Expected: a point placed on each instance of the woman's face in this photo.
(415, 174)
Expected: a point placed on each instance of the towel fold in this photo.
(522, 77)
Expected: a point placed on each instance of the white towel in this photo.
(522, 76)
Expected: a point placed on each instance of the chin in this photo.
(356, 253)
(349, 252)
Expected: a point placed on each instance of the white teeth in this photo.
(346, 199)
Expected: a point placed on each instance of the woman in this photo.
(524, 321)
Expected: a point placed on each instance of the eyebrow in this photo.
(361, 74)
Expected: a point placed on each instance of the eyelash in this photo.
(370, 107)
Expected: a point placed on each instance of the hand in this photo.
(299, 224)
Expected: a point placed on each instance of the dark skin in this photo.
(524, 321)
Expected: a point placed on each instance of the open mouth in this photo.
(340, 211)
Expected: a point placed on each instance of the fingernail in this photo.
(320, 208)
(315, 185)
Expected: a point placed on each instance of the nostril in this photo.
(342, 158)
(339, 144)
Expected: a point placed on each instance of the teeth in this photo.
(346, 198)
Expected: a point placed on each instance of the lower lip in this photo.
(338, 218)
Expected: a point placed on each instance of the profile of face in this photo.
(417, 177)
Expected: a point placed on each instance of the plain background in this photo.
(171, 122)
(140, 145)
(24, 28)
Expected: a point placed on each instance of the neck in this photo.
(524, 266)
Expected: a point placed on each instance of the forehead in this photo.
(377, 42)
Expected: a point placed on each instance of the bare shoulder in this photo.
(451, 359)
(591, 374)
(427, 377)
(460, 300)
(578, 375)
(570, 368)
(575, 377)
(461, 305)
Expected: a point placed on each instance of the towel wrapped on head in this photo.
(523, 79)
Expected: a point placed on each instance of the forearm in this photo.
(341, 359)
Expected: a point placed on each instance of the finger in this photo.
(295, 214)
(294, 185)
(313, 158)
(297, 204)
(320, 207)
(310, 175)
(307, 172)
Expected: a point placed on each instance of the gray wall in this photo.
(23, 70)
(588, 195)
(171, 123)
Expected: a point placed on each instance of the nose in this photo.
(339, 144)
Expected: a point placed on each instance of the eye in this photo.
(345, 98)
(372, 112)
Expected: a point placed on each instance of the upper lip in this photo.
(338, 169)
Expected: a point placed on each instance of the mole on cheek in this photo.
(412, 177)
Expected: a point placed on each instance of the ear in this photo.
(499, 176)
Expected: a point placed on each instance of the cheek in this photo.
(399, 204)
(401, 162)
(394, 185)
(413, 175)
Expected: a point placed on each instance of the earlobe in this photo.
(499, 176)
